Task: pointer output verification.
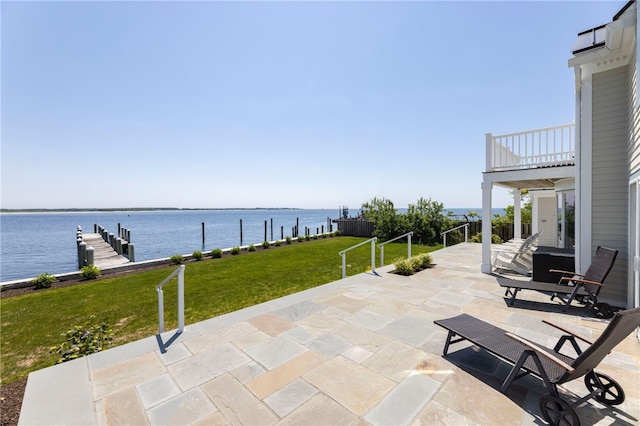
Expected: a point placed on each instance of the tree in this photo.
(427, 220)
(508, 217)
(383, 214)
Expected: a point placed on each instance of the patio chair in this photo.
(516, 258)
(549, 364)
(572, 286)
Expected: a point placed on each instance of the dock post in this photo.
(119, 246)
(132, 257)
(90, 255)
(82, 251)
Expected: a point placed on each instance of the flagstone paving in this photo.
(359, 351)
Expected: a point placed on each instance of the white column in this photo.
(486, 227)
(517, 215)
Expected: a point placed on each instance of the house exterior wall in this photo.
(634, 176)
(634, 118)
(610, 179)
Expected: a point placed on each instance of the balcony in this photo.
(533, 149)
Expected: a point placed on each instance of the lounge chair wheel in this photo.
(612, 393)
(602, 310)
(557, 412)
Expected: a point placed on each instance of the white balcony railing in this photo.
(551, 146)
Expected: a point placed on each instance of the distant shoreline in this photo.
(142, 209)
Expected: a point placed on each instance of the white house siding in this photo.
(634, 119)
(610, 175)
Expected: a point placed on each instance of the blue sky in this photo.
(275, 104)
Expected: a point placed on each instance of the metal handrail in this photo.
(180, 272)
(466, 233)
(343, 253)
(381, 246)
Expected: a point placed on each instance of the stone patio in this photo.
(362, 350)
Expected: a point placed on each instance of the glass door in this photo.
(566, 219)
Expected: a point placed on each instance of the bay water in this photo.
(33, 243)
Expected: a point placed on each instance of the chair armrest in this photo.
(566, 272)
(545, 354)
(577, 336)
(581, 280)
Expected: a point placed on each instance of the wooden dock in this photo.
(104, 255)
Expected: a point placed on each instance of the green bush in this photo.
(288, 240)
(43, 280)
(265, 244)
(90, 272)
(403, 267)
(413, 264)
(307, 237)
(197, 255)
(251, 247)
(235, 250)
(278, 243)
(495, 238)
(83, 340)
(216, 253)
(177, 259)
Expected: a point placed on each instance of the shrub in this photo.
(83, 340)
(216, 253)
(288, 240)
(495, 238)
(197, 255)
(235, 250)
(251, 247)
(413, 264)
(265, 244)
(278, 243)
(403, 267)
(177, 259)
(90, 272)
(307, 237)
(337, 233)
(43, 280)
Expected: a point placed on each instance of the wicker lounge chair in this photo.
(572, 286)
(549, 364)
(515, 257)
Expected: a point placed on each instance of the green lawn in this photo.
(32, 323)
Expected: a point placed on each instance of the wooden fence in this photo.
(355, 227)
(364, 228)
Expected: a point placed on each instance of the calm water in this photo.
(33, 243)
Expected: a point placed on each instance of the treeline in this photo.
(426, 218)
